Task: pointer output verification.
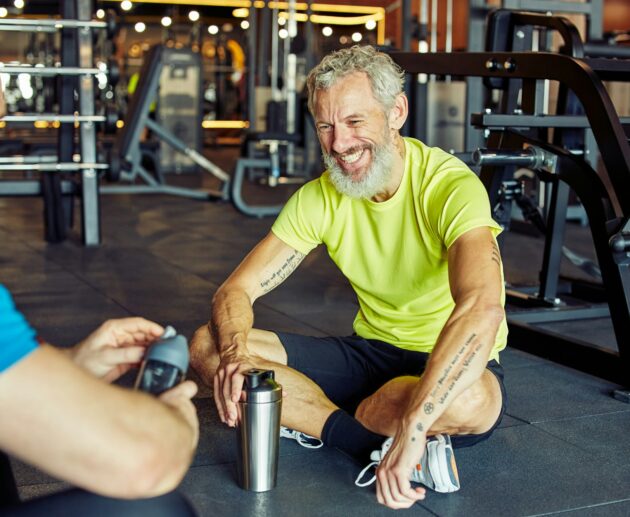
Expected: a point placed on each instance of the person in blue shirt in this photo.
(59, 413)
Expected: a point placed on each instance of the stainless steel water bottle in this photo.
(164, 365)
(258, 431)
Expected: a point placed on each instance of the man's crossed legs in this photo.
(351, 392)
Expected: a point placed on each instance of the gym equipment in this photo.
(270, 154)
(131, 150)
(76, 74)
(607, 205)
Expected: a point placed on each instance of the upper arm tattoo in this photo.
(277, 277)
(496, 255)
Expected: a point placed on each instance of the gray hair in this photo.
(385, 76)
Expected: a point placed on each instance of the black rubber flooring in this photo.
(563, 448)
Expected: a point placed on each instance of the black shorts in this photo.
(350, 369)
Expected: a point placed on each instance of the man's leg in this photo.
(473, 412)
(305, 406)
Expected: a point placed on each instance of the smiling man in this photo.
(410, 228)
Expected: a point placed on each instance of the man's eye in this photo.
(355, 122)
(323, 128)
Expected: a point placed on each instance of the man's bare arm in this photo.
(268, 265)
(465, 343)
(457, 361)
(103, 438)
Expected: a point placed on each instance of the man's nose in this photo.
(342, 139)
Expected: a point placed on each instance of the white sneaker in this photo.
(436, 470)
(305, 440)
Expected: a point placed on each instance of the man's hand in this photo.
(228, 385)
(393, 488)
(179, 398)
(115, 347)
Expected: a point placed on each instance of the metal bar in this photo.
(557, 314)
(90, 201)
(29, 159)
(55, 23)
(52, 167)
(179, 145)
(17, 28)
(575, 73)
(552, 253)
(559, 6)
(584, 356)
(31, 187)
(48, 70)
(499, 121)
(51, 117)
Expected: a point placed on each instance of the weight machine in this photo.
(128, 151)
(522, 139)
(270, 155)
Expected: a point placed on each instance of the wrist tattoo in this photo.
(428, 408)
(420, 427)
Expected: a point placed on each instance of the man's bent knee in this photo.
(204, 356)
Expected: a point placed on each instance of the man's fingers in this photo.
(126, 355)
(218, 398)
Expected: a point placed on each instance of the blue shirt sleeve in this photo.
(17, 337)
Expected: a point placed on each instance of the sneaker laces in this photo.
(305, 440)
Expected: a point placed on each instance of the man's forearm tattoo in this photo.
(420, 428)
(277, 277)
(496, 256)
(453, 372)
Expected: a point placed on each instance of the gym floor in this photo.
(563, 447)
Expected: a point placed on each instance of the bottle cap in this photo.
(173, 350)
(260, 387)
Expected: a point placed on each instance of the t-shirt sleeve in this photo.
(457, 203)
(17, 338)
(299, 224)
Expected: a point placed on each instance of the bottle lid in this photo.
(173, 350)
(260, 386)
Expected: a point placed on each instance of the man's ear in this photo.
(398, 114)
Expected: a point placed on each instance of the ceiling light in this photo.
(327, 31)
(126, 5)
(213, 29)
(370, 24)
(283, 33)
(19, 4)
(140, 27)
(100, 14)
(3, 12)
(357, 36)
(166, 21)
(244, 25)
(193, 16)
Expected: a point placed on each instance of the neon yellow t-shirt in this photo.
(394, 252)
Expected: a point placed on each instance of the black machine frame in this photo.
(608, 210)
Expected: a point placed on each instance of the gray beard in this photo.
(373, 182)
